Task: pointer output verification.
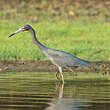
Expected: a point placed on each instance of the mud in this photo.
(47, 66)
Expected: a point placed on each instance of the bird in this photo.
(61, 59)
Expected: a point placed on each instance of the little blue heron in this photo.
(61, 59)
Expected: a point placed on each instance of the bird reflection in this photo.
(61, 103)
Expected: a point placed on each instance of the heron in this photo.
(61, 59)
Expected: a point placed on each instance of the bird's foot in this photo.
(57, 76)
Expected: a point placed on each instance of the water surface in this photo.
(39, 91)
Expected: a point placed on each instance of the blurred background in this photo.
(38, 10)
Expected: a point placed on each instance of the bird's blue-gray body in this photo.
(64, 59)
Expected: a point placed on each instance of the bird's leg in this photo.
(57, 75)
(74, 73)
(61, 74)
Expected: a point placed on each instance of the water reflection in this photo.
(55, 104)
(30, 92)
(69, 102)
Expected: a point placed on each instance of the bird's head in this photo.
(24, 28)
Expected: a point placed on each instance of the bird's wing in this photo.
(63, 58)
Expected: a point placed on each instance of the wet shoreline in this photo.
(47, 66)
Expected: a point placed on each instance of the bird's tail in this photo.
(86, 63)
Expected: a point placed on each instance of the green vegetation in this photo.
(73, 26)
(37, 10)
(89, 41)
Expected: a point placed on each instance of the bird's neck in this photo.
(34, 38)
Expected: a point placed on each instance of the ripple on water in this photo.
(29, 92)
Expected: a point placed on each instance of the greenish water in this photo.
(39, 91)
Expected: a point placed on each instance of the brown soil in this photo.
(47, 66)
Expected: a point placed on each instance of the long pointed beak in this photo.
(18, 31)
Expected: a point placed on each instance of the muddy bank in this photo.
(47, 66)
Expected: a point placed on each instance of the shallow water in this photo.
(36, 91)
